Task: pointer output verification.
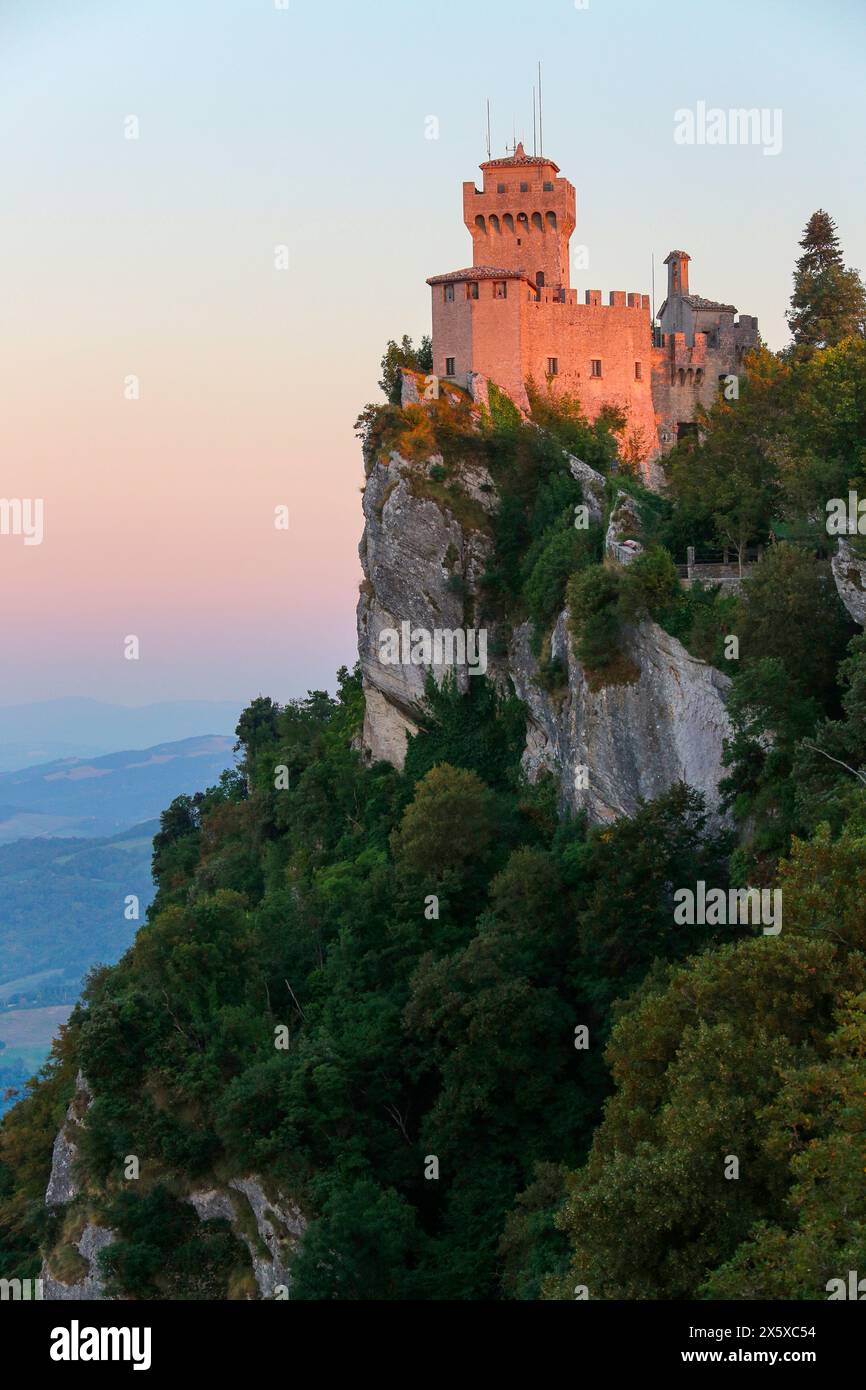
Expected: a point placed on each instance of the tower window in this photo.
(595, 366)
(638, 371)
(548, 186)
(449, 366)
(500, 289)
(553, 366)
(524, 188)
(539, 278)
(500, 188)
(472, 289)
(448, 294)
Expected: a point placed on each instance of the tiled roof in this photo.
(521, 158)
(480, 272)
(697, 302)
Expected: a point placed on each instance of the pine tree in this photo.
(829, 301)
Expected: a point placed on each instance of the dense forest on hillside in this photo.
(462, 1028)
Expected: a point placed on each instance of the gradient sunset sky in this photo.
(262, 126)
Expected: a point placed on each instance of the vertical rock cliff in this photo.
(423, 553)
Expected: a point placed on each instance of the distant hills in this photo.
(76, 838)
(75, 727)
(103, 795)
(62, 905)
(62, 909)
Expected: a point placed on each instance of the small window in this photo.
(638, 371)
(472, 289)
(448, 296)
(524, 188)
(539, 278)
(595, 366)
(500, 289)
(548, 186)
(500, 188)
(553, 366)
(449, 366)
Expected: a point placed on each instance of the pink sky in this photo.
(306, 127)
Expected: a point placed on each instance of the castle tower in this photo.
(677, 263)
(522, 218)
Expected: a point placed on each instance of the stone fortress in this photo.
(512, 315)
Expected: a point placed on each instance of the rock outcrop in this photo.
(849, 573)
(425, 546)
(612, 746)
(89, 1288)
(63, 1180)
(270, 1228)
(609, 747)
(279, 1226)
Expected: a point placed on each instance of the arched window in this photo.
(699, 376)
(522, 222)
(536, 221)
(481, 224)
(682, 377)
(494, 222)
(508, 222)
(551, 221)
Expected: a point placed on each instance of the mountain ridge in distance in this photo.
(97, 797)
(43, 731)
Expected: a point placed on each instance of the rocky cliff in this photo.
(849, 573)
(270, 1227)
(423, 553)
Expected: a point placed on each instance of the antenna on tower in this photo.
(540, 126)
(534, 150)
(654, 289)
(488, 127)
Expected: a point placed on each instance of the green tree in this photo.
(448, 826)
(829, 301)
(730, 478)
(403, 355)
(593, 597)
(359, 1248)
(786, 600)
(653, 1214)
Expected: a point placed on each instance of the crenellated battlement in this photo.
(513, 316)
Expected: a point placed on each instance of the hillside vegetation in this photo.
(465, 1032)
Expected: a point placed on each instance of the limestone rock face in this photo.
(623, 529)
(849, 573)
(279, 1228)
(422, 566)
(279, 1224)
(89, 1289)
(629, 741)
(592, 485)
(63, 1183)
(634, 740)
